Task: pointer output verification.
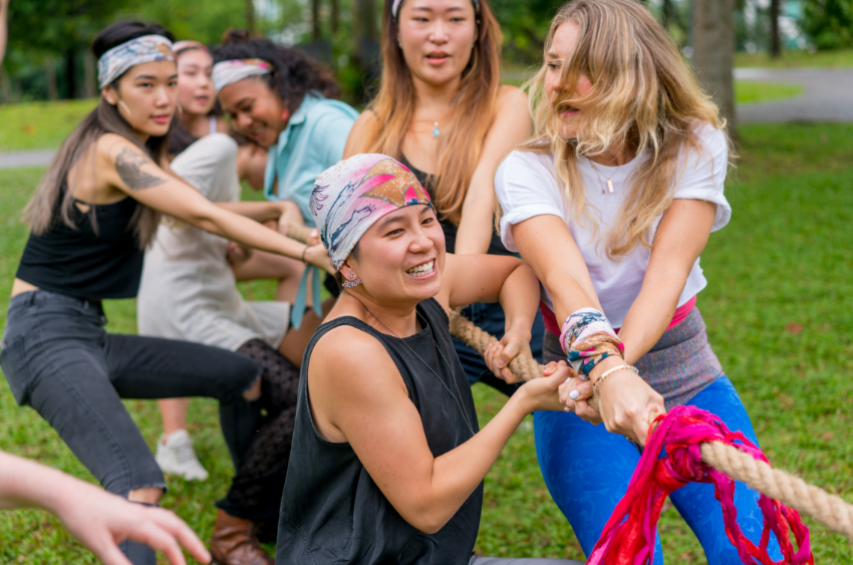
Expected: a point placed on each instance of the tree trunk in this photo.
(250, 16)
(70, 74)
(315, 21)
(336, 15)
(90, 88)
(50, 72)
(713, 54)
(775, 40)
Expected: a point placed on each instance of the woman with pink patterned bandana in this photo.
(387, 461)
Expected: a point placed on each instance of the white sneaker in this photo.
(176, 456)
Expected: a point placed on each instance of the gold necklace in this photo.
(609, 182)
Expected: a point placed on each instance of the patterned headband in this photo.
(229, 72)
(188, 44)
(351, 196)
(120, 58)
(395, 7)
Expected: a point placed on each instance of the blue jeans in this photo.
(587, 470)
(491, 319)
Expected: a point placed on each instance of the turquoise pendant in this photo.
(435, 131)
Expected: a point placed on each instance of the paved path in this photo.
(36, 158)
(828, 96)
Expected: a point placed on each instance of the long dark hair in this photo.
(462, 139)
(294, 73)
(53, 201)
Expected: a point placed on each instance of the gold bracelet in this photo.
(609, 372)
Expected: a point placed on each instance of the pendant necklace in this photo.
(435, 131)
(609, 182)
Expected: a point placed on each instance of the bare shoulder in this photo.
(511, 97)
(358, 135)
(346, 355)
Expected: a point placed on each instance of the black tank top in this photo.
(81, 263)
(496, 246)
(333, 512)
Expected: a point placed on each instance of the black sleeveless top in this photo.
(496, 246)
(82, 263)
(333, 512)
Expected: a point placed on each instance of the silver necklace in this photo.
(609, 182)
(456, 397)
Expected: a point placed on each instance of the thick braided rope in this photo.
(827, 509)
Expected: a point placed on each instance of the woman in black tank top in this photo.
(387, 462)
(442, 111)
(92, 215)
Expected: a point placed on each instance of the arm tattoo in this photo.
(129, 167)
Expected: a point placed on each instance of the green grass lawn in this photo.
(40, 125)
(792, 59)
(756, 91)
(779, 314)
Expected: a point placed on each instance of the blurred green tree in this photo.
(828, 23)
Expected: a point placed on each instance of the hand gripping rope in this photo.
(699, 448)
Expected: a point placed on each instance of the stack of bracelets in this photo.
(588, 339)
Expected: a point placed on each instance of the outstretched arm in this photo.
(628, 404)
(512, 126)
(98, 519)
(366, 404)
(680, 239)
(491, 278)
(127, 168)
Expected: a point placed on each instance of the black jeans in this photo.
(58, 359)
(491, 319)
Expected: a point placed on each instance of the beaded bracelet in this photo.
(608, 372)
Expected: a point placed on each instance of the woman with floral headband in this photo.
(282, 100)
(387, 463)
(442, 111)
(611, 204)
(92, 215)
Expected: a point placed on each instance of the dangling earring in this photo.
(352, 282)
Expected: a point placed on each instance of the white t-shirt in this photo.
(188, 290)
(526, 186)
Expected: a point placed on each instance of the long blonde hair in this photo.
(643, 97)
(461, 141)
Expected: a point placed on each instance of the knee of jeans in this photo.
(254, 391)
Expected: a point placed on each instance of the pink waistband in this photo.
(553, 326)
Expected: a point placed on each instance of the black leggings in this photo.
(255, 492)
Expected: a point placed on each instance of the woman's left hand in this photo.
(290, 215)
(498, 355)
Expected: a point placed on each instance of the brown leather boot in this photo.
(234, 542)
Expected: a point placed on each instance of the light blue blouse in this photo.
(312, 142)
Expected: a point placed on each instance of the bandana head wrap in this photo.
(351, 196)
(119, 59)
(186, 45)
(395, 7)
(229, 72)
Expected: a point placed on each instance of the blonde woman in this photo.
(442, 111)
(611, 204)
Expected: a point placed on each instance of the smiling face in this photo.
(255, 110)
(437, 37)
(146, 97)
(562, 48)
(399, 259)
(195, 87)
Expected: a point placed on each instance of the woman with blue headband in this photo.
(388, 461)
(441, 110)
(93, 214)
